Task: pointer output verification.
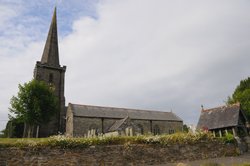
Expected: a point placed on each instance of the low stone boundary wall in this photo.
(128, 154)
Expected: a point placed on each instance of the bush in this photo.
(66, 142)
(229, 138)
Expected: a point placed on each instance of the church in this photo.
(76, 120)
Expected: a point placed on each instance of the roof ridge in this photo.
(122, 108)
(220, 107)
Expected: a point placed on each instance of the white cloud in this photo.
(157, 55)
(18, 55)
(5, 14)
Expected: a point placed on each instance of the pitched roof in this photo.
(220, 117)
(120, 113)
(50, 53)
(117, 124)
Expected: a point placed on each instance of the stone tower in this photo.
(50, 71)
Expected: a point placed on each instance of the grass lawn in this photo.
(19, 142)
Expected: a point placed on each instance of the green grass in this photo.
(244, 164)
(65, 142)
(217, 164)
(21, 142)
(212, 164)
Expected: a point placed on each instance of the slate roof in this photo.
(117, 124)
(120, 113)
(50, 53)
(220, 117)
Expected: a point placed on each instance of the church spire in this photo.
(50, 53)
(50, 71)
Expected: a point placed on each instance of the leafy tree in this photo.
(242, 95)
(34, 105)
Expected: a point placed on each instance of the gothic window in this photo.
(50, 78)
(140, 129)
(156, 130)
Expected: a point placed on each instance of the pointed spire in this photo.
(50, 53)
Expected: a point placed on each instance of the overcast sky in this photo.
(148, 54)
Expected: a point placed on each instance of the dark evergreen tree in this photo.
(14, 129)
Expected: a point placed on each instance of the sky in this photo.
(165, 55)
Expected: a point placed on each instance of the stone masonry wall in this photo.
(117, 155)
(166, 126)
(43, 72)
(81, 125)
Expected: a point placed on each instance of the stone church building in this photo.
(85, 120)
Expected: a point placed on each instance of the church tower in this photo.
(50, 71)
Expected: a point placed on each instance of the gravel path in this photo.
(225, 161)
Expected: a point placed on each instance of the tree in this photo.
(34, 105)
(13, 129)
(242, 95)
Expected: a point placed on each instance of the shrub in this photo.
(66, 142)
(229, 138)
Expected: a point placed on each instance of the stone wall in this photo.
(55, 76)
(82, 125)
(79, 126)
(115, 154)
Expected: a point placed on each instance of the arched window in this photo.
(140, 129)
(51, 78)
(156, 130)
